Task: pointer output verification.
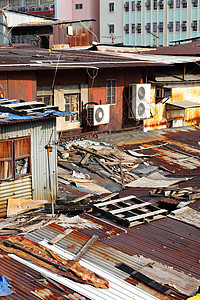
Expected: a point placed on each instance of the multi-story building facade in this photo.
(111, 21)
(59, 9)
(160, 22)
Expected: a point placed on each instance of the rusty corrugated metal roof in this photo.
(24, 281)
(41, 59)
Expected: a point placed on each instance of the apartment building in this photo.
(111, 21)
(160, 22)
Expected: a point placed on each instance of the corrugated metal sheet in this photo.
(41, 133)
(19, 188)
(167, 241)
(24, 282)
(14, 18)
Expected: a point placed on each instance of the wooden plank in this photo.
(85, 158)
(86, 247)
(122, 176)
(60, 236)
(109, 197)
(93, 152)
(114, 201)
(104, 166)
(123, 209)
(146, 215)
(82, 198)
(18, 206)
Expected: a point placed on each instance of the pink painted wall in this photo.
(90, 10)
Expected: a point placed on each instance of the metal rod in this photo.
(49, 149)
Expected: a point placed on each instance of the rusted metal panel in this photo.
(19, 188)
(28, 284)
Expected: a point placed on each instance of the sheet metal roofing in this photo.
(184, 104)
(186, 49)
(27, 284)
(16, 59)
(22, 111)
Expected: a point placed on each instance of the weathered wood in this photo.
(109, 197)
(122, 176)
(86, 247)
(82, 198)
(146, 215)
(85, 158)
(114, 201)
(104, 166)
(60, 236)
(93, 152)
(18, 206)
(129, 208)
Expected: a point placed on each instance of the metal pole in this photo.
(49, 149)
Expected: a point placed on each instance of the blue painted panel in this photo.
(154, 16)
(160, 39)
(148, 17)
(126, 41)
(133, 39)
(148, 40)
(139, 40)
(184, 14)
(194, 34)
(183, 35)
(133, 17)
(177, 36)
(177, 14)
(139, 17)
(126, 19)
(170, 15)
(160, 18)
(170, 37)
(194, 13)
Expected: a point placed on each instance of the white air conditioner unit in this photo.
(98, 114)
(139, 96)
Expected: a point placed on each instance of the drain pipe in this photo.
(49, 149)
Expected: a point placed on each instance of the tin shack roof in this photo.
(16, 59)
(21, 111)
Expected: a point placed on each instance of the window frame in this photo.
(14, 158)
(113, 91)
(69, 118)
(78, 5)
(111, 28)
(111, 7)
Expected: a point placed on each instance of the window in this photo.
(138, 5)
(45, 95)
(72, 104)
(184, 26)
(178, 3)
(111, 28)
(178, 26)
(32, 2)
(79, 6)
(148, 4)
(161, 4)
(126, 6)
(126, 28)
(111, 7)
(155, 4)
(148, 27)
(155, 27)
(171, 4)
(133, 28)
(195, 3)
(194, 25)
(184, 3)
(133, 5)
(138, 28)
(170, 26)
(160, 26)
(15, 158)
(111, 85)
(15, 2)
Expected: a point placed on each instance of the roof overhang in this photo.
(183, 104)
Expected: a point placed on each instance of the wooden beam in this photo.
(93, 152)
(123, 209)
(82, 198)
(150, 214)
(114, 201)
(86, 247)
(85, 158)
(60, 236)
(109, 197)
